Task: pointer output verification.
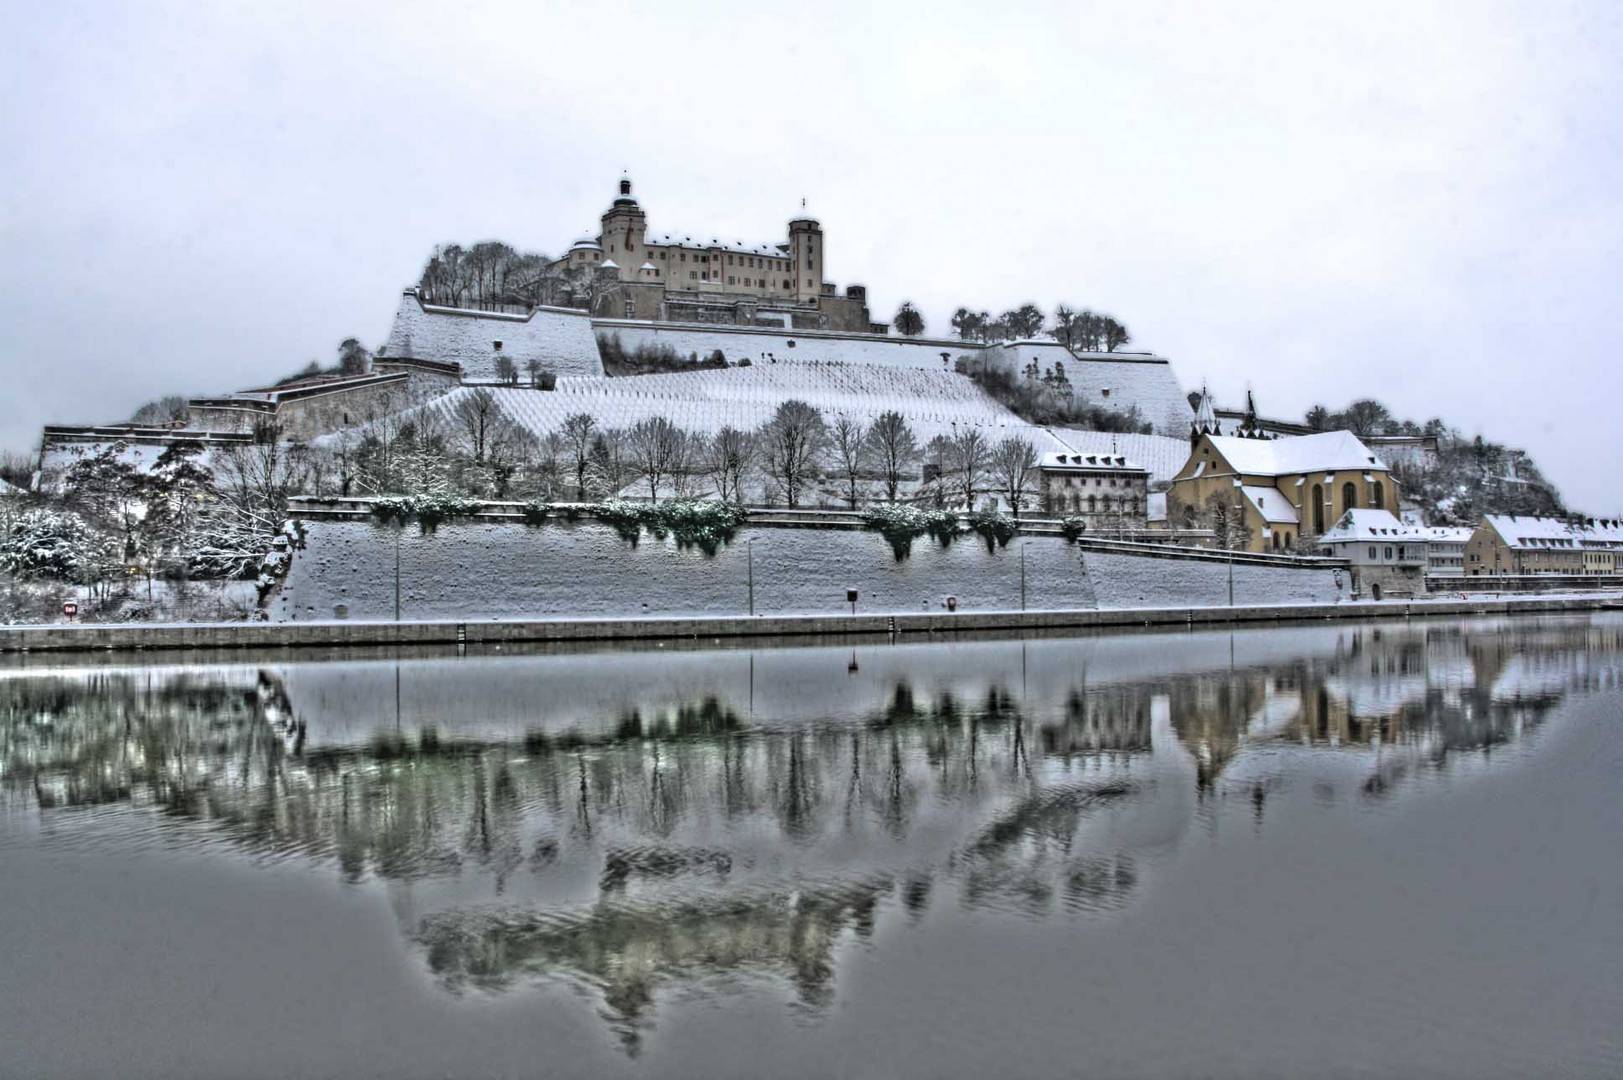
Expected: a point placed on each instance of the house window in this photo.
(496, 345)
(1389, 553)
(1372, 555)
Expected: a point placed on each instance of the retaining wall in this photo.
(500, 570)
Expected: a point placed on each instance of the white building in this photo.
(1106, 490)
(1388, 557)
(1445, 549)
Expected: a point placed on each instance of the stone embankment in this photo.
(915, 626)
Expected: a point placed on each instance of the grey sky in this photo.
(1413, 202)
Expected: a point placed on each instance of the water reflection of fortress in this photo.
(632, 830)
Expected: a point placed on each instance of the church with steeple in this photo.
(633, 273)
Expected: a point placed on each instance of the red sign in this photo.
(70, 608)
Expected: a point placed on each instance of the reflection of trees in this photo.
(693, 829)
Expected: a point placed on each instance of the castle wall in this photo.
(483, 570)
(1113, 381)
(560, 339)
(754, 343)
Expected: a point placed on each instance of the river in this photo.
(1331, 850)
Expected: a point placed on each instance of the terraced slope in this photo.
(933, 402)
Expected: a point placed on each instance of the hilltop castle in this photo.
(676, 277)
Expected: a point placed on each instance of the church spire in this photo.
(1205, 422)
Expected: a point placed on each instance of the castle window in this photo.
(692, 275)
(731, 280)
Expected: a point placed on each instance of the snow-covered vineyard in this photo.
(932, 402)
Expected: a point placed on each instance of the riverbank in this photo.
(338, 633)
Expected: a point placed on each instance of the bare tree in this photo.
(1115, 334)
(480, 423)
(791, 445)
(580, 431)
(849, 440)
(1013, 461)
(353, 357)
(727, 461)
(937, 470)
(1225, 517)
(506, 370)
(893, 449)
(1025, 321)
(658, 450)
(968, 455)
(609, 463)
(908, 321)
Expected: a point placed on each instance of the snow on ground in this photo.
(932, 402)
(488, 570)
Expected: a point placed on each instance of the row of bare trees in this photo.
(1079, 330)
(796, 458)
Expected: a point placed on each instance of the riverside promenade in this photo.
(339, 633)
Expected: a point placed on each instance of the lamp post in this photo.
(749, 554)
(1023, 544)
(1228, 542)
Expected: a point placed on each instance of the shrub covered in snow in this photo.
(1073, 527)
(901, 525)
(426, 510)
(996, 528)
(702, 523)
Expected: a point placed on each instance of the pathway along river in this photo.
(1311, 850)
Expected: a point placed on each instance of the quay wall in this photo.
(504, 570)
(331, 634)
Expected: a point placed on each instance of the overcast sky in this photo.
(1404, 201)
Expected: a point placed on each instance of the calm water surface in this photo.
(1316, 850)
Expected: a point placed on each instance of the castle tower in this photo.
(625, 229)
(806, 253)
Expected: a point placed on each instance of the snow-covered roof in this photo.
(776, 251)
(586, 242)
(8, 488)
(1326, 451)
(1446, 534)
(1368, 524)
(1274, 507)
(1162, 455)
(1548, 532)
(1085, 462)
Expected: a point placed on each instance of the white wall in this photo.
(483, 570)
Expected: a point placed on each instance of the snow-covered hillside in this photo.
(933, 402)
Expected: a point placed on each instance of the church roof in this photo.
(1326, 451)
(1274, 507)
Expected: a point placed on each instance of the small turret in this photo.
(1205, 422)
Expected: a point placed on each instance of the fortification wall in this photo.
(482, 570)
(560, 339)
(1113, 381)
(755, 343)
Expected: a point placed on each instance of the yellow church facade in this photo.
(1267, 495)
